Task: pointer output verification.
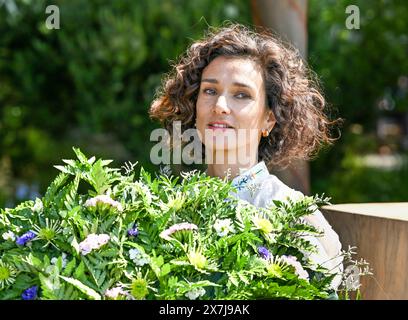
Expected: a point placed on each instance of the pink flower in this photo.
(114, 293)
(105, 200)
(166, 234)
(103, 239)
(93, 241)
(85, 248)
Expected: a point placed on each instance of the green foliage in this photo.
(358, 68)
(355, 182)
(91, 82)
(177, 252)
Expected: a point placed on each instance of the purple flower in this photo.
(133, 232)
(28, 236)
(30, 293)
(264, 253)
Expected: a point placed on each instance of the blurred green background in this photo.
(90, 84)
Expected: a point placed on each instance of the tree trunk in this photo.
(287, 18)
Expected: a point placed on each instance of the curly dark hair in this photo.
(292, 91)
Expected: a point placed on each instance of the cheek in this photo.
(199, 113)
(202, 109)
(201, 118)
(248, 118)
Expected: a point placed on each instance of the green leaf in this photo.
(91, 293)
(69, 162)
(233, 279)
(79, 272)
(155, 264)
(53, 188)
(106, 162)
(81, 157)
(166, 269)
(69, 267)
(63, 169)
(48, 286)
(99, 178)
(75, 245)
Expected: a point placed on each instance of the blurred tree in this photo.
(89, 83)
(289, 20)
(361, 71)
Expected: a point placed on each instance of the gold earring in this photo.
(265, 133)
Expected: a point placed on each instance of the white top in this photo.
(258, 187)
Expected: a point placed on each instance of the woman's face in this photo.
(231, 110)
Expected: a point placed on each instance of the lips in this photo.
(219, 125)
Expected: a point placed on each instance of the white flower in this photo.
(64, 260)
(292, 261)
(9, 235)
(165, 170)
(133, 253)
(223, 227)
(195, 293)
(138, 257)
(271, 237)
(105, 200)
(38, 206)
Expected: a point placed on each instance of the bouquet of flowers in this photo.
(102, 233)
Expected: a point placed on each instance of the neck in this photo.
(231, 167)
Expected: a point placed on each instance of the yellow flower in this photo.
(7, 275)
(274, 270)
(198, 260)
(263, 224)
(138, 288)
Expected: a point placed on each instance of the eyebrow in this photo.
(238, 84)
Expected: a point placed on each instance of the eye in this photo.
(209, 91)
(242, 95)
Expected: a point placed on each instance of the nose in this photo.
(221, 105)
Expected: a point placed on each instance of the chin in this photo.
(220, 143)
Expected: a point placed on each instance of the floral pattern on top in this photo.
(246, 179)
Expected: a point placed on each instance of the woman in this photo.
(253, 104)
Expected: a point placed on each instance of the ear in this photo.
(270, 120)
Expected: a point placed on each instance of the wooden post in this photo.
(288, 18)
(380, 233)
